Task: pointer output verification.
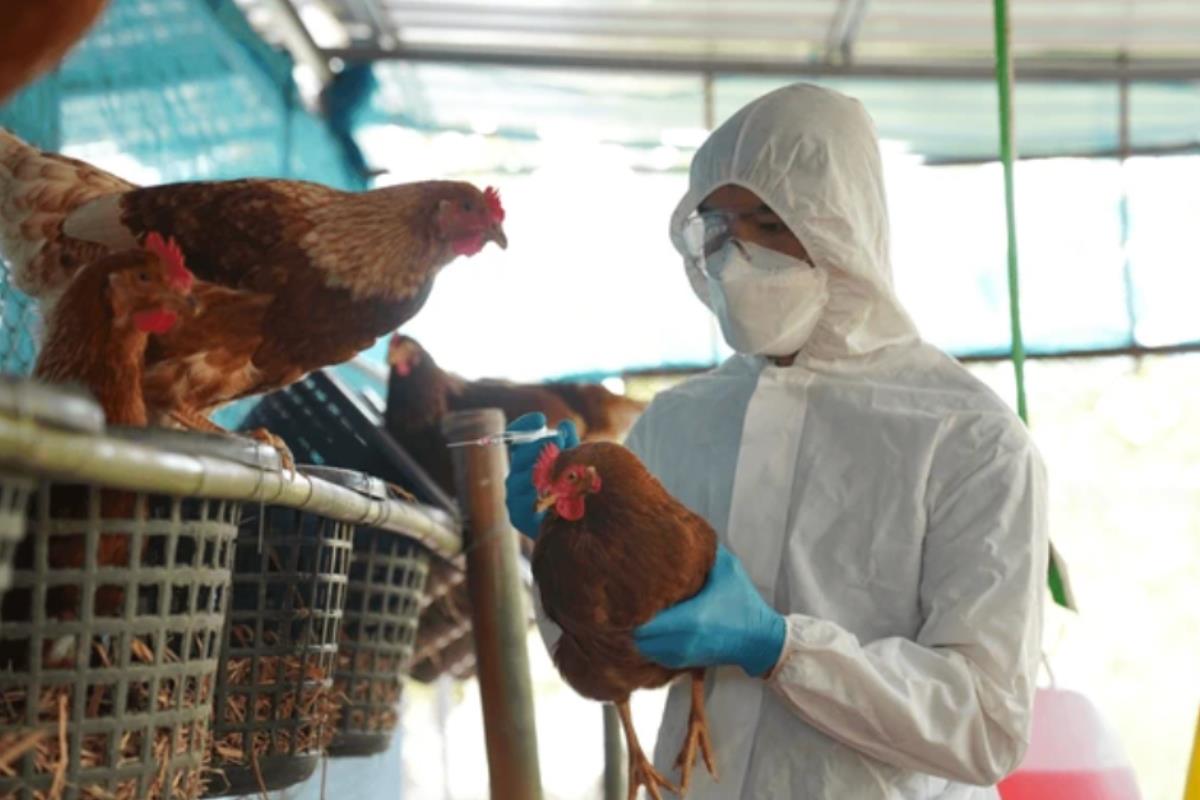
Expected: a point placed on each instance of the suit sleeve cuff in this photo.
(789, 666)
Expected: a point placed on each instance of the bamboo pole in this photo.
(498, 612)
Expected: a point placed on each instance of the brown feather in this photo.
(606, 415)
(40, 189)
(36, 35)
(178, 375)
(85, 345)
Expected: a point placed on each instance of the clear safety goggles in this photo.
(706, 232)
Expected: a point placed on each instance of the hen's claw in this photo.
(641, 771)
(697, 736)
(191, 420)
(271, 440)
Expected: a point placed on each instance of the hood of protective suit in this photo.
(812, 155)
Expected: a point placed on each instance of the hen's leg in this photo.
(697, 736)
(641, 771)
(195, 421)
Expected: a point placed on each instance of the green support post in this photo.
(1004, 81)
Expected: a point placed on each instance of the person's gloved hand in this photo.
(727, 622)
(522, 497)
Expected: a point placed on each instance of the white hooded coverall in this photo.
(877, 494)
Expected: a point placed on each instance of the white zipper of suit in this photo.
(759, 522)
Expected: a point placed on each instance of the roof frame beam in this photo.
(299, 41)
(1040, 70)
(843, 30)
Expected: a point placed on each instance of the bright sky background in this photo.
(591, 284)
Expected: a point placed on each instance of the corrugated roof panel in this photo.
(939, 120)
(926, 27)
(523, 103)
(910, 31)
(949, 117)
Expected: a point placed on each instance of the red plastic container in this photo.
(1073, 755)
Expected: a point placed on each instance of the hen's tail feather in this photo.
(37, 192)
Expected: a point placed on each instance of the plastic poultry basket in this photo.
(274, 698)
(108, 652)
(324, 422)
(24, 399)
(446, 645)
(445, 641)
(379, 628)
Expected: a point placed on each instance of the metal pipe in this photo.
(1131, 351)
(1125, 146)
(498, 612)
(853, 25)
(616, 765)
(843, 31)
(1042, 70)
(1181, 149)
(300, 42)
(709, 90)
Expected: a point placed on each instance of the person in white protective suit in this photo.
(878, 633)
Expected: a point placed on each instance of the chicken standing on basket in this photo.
(303, 276)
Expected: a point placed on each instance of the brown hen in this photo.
(614, 549)
(97, 337)
(420, 394)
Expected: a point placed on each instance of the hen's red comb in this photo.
(492, 197)
(544, 468)
(169, 253)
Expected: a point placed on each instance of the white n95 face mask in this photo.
(767, 303)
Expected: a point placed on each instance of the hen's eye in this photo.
(466, 205)
(572, 477)
(144, 277)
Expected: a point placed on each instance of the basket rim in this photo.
(239, 449)
(115, 463)
(65, 406)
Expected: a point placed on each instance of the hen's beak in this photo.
(185, 305)
(546, 502)
(496, 234)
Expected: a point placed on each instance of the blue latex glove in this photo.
(728, 622)
(522, 497)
